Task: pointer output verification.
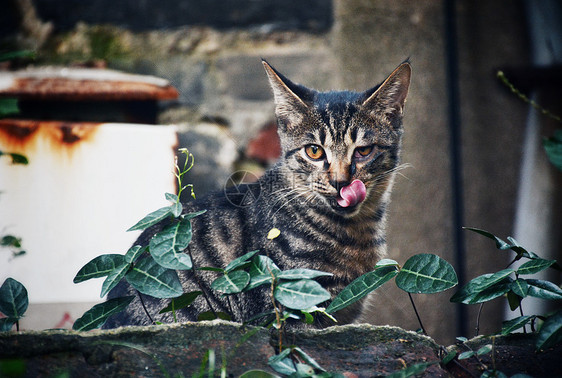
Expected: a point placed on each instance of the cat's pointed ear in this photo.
(390, 97)
(290, 98)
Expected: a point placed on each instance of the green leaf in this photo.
(308, 318)
(152, 218)
(462, 339)
(16, 158)
(299, 295)
(465, 355)
(474, 291)
(5, 56)
(449, 357)
(386, 262)
(134, 253)
(177, 208)
(6, 324)
(167, 247)
(427, 274)
(150, 278)
(493, 291)
(114, 278)
(534, 266)
(97, 315)
(13, 299)
(500, 244)
(10, 241)
(519, 287)
(263, 265)
(307, 359)
(258, 280)
(240, 261)
(8, 106)
(231, 283)
(171, 197)
(300, 274)
(281, 363)
(513, 300)
(361, 286)
(209, 315)
(193, 215)
(553, 148)
(544, 289)
(484, 349)
(412, 370)
(551, 332)
(100, 266)
(509, 326)
(180, 302)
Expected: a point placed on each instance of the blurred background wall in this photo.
(473, 158)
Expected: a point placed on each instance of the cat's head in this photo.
(341, 147)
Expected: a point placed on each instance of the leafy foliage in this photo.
(509, 282)
(13, 303)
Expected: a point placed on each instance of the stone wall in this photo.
(224, 96)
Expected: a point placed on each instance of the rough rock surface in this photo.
(180, 349)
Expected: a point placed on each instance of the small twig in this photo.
(417, 314)
(526, 99)
(477, 328)
(203, 291)
(521, 312)
(229, 305)
(145, 309)
(277, 311)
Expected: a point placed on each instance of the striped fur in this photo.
(298, 196)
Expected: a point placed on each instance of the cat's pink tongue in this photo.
(352, 194)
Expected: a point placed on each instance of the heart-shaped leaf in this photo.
(150, 278)
(240, 261)
(300, 295)
(471, 290)
(114, 277)
(97, 315)
(13, 299)
(534, 266)
(231, 283)
(551, 331)
(167, 247)
(152, 218)
(180, 302)
(514, 324)
(100, 266)
(544, 289)
(362, 286)
(427, 274)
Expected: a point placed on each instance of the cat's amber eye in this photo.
(314, 152)
(363, 151)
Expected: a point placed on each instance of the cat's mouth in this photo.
(349, 197)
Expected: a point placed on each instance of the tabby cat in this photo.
(327, 194)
